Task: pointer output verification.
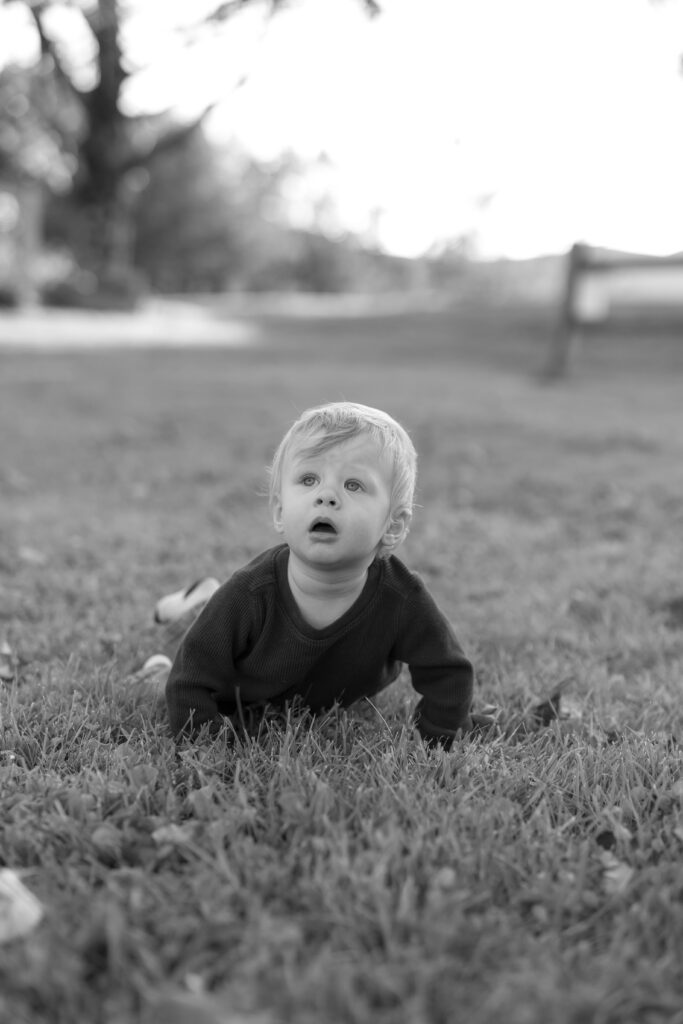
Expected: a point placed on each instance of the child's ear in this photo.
(277, 517)
(396, 530)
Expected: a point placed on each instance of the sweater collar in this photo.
(366, 596)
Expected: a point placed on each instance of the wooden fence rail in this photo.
(582, 262)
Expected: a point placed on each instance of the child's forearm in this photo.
(197, 677)
(447, 693)
(190, 709)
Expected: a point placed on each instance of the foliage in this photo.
(213, 219)
(336, 869)
(221, 203)
(33, 127)
(87, 68)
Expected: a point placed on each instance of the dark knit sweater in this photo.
(251, 643)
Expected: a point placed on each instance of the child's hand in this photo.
(484, 726)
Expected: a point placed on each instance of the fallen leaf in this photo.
(572, 709)
(445, 878)
(31, 556)
(8, 663)
(548, 710)
(107, 840)
(174, 835)
(616, 874)
(20, 911)
(202, 802)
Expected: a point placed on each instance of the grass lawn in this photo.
(336, 870)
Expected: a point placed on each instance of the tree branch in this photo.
(230, 7)
(49, 49)
(226, 9)
(171, 139)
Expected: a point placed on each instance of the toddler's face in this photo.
(334, 508)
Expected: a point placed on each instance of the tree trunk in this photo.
(28, 235)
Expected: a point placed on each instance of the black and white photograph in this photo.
(341, 511)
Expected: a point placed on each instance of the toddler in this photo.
(330, 614)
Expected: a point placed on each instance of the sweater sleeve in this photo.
(440, 671)
(202, 675)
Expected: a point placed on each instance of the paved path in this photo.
(161, 323)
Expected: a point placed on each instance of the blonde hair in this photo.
(324, 426)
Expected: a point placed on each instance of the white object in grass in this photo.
(156, 663)
(174, 606)
(6, 663)
(616, 874)
(20, 911)
(153, 675)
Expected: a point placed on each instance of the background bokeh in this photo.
(345, 146)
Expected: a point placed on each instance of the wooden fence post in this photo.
(575, 313)
(566, 333)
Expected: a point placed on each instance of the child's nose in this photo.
(327, 498)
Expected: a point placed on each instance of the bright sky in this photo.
(533, 123)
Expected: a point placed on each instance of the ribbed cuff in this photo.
(436, 736)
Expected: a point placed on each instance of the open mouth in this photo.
(323, 526)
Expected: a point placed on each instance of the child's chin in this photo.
(325, 555)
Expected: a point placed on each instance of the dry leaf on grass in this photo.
(616, 874)
(20, 911)
(31, 556)
(174, 835)
(548, 709)
(7, 663)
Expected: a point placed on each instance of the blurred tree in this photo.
(231, 230)
(221, 202)
(32, 127)
(110, 148)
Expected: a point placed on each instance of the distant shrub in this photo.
(8, 297)
(82, 289)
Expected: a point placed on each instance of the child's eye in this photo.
(308, 480)
(354, 485)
